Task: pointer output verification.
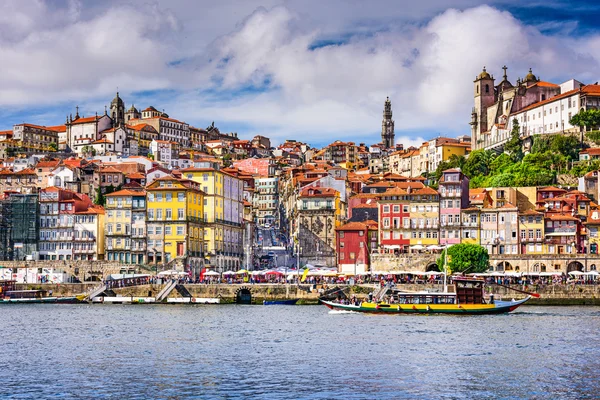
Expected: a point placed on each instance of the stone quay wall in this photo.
(570, 294)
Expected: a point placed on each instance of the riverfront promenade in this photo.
(555, 294)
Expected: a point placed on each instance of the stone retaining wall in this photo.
(550, 295)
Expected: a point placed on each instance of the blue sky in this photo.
(306, 70)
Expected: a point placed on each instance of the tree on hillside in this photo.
(478, 163)
(463, 257)
(53, 146)
(568, 146)
(514, 146)
(588, 120)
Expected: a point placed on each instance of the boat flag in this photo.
(202, 273)
(304, 274)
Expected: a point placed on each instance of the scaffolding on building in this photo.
(19, 226)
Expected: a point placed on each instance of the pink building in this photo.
(454, 195)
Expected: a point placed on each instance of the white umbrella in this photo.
(516, 274)
(417, 247)
(211, 273)
(434, 247)
(229, 273)
(432, 273)
(576, 273)
(592, 273)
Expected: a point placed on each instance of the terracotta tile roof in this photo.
(352, 226)
(594, 151)
(127, 192)
(365, 205)
(551, 189)
(425, 190)
(48, 164)
(110, 169)
(318, 192)
(85, 120)
(93, 209)
(555, 216)
(136, 175)
(396, 191)
(545, 84)
(103, 141)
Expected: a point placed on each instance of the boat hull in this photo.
(499, 307)
(289, 302)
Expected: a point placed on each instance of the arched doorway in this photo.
(243, 296)
(575, 266)
(432, 267)
(504, 266)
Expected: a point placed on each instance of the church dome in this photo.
(117, 101)
(484, 75)
(530, 77)
(132, 109)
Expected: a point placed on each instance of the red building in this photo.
(394, 218)
(354, 242)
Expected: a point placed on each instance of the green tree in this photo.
(514, 146)
(464, 257)
(478, 163)
(53, 146)
(586, 119)
(100, 199)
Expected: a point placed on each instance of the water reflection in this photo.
(79, 351)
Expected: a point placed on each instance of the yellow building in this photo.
(424, 217)
(223, 214)
(126, 226)
(531, 232)
(175, 224)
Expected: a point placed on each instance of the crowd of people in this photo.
(382, 279)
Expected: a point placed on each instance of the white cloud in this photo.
(82, 54)
(72, 58)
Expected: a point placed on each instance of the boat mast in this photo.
(446, 269)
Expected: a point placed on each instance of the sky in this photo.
(311, 70)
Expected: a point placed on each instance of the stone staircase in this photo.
(164, 293)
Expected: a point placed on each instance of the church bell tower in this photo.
(387, 125)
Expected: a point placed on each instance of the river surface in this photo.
(294, 352)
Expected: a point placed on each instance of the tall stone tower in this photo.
(117, 111)
(484, 97)
(387, 125)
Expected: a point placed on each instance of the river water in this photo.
(294, 352)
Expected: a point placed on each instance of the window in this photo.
(181, 196)
(180, 214)
(386, 209)
(168, 197)
(168, 213)
(167, 230)
(341, 234)
(180, 230)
